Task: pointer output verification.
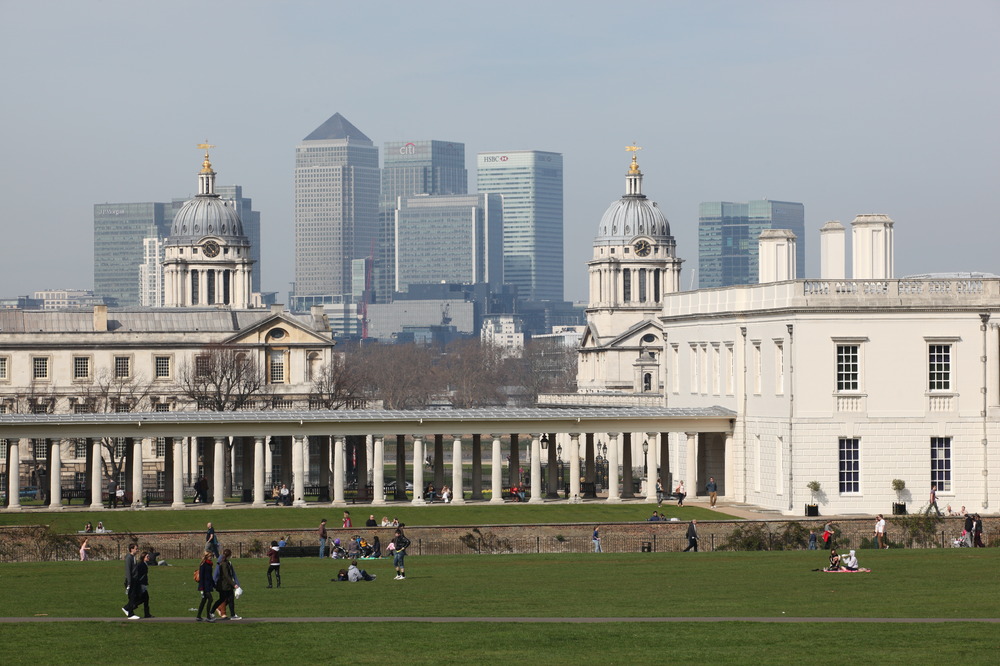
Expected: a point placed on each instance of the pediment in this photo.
(280, 330)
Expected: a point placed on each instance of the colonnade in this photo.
(333, 468)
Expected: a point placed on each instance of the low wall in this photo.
(36, 543)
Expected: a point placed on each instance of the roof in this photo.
(147, 320)
(337, 127)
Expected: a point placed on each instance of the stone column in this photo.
(614, 492)
(691, 482)
(339, 470)
(219, 473)
(536, 470)
(258, 472)
(137, 489)
(55, 475)
(665, 476)
(14, 476)
(457, 492)
(496, 473)
(651, 468)
(729, 466)
(574, 467)
(378, 469)
(298, 471)
(418, 470)
(177, 444)
(95, 475)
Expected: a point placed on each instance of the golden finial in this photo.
(633, 149)
(206, 166)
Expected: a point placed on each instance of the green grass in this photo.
(942, 583)
(284, 518)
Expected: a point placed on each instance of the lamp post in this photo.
(645, 463)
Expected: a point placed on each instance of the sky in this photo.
(849, 107)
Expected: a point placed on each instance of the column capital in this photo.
(494, 435)
(574, 435)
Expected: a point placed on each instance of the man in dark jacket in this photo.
(142, 580)
(692, 536)
(131, 583)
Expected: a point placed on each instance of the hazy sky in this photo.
(848, 107)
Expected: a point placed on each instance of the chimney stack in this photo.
(100, 318)
(776, 256)
(832, 259)
(872, 247)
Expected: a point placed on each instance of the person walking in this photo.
(970, 525)
(274, 563)
(880, 532)
(85, 550)
(713, 491)
(659, 494)
(692, 536)
(932, 501)
(211, 541)
(131, 582)
(142, 579)
(399, 544)
(322, 540)
(977, 532)
(113, 494)
(679, 491)
(206, 584)
(226, 582)
(595, 539)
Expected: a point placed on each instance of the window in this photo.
(81, 367)
(694, 368)
(626, 285)
(4, 368)
(161, 407)
(716, 369)
(161, 479)
(941, 463)
(848, 367)
(161, 367)
(79, 480)
(850, 464)
(40, 367)
(40, 449)
(122, 408)
(123, 367)
(277, 367)
(675, 365)
(119, 447)
(201, 365)
(161, 447)
(80, 449)
(730, 369)
(756, 368)
(779, 367)
(939, 367)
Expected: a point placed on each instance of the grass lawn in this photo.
(936, 583)
(284, 518)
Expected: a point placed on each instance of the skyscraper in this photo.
(336, 209)
(728, 233)
(119, 232)
(531, 182)
(412, 167)
(455, 239)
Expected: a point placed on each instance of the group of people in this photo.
(847, 562)
(116, 495)
(89, 528)
(680, 492)
(430, 494)
(972, 531)
(281, 495)
(221, 578)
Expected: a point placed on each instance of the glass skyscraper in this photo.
(531, 182)
(410, 168)
(336, 209)
(728, 239)
(455, 239)
(119, 232)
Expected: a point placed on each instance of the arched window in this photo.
(647, 382)
(626, 285)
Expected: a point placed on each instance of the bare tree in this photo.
(339, 384)
(114, 394)
(224, 378)
(476, 374)
(402, 376)
(545, 366)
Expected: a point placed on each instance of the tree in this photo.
(545, 366)
(475, 373)
(339, 384)
(225, 378)
(402, 376)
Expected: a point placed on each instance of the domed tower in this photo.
(207, 257)
(634, 265)
(634, 260)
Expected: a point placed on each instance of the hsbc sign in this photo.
(490, 159)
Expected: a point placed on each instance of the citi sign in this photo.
(408, 149)
(494, 158)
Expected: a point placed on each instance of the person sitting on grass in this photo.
(849, 562)
(834, 562)
(354, 574)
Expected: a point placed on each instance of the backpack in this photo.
(197, 575)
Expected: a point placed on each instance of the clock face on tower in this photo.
(211, 249)
(643, 248)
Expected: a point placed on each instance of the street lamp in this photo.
(605, 451)
(559, 452)
(544, 441)
(645, 459)
(272, 445)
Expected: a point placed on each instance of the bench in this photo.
(70, 494)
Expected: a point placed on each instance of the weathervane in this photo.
(206, 166)
(633, 149)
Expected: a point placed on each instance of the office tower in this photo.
(336, 209)
(410, 168)
(151, 273)
(251, 226)
(455, 239)
(119, 232)
(531, 182)
(728, 238)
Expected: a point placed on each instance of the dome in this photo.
(633, 215)
(206, 214)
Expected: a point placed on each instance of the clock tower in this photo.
(207, 256)
(633, 266)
